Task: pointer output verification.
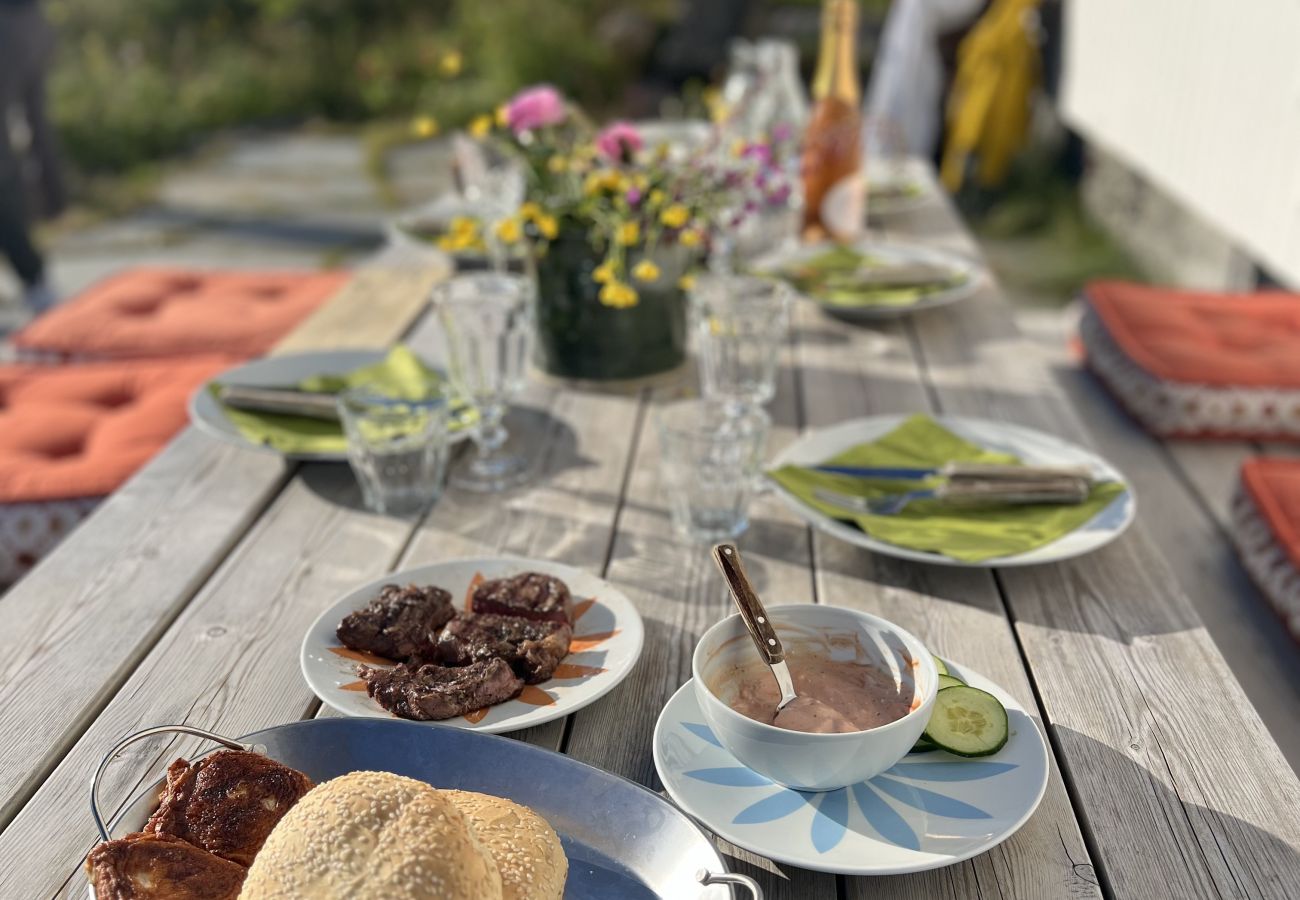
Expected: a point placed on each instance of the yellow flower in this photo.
(547, 226)
(640, 182)
(738, 147)
(675, 216)
(603, 273)
(628, 234)
(502, 116)
(645, 271)
(424, 126)
(463, 225)
(657, 197)
(686, 282)
(509, 230)
(480, 126)
(618, 295)
(451, 63)
(557, 164)
(690, 238)
(530, 212)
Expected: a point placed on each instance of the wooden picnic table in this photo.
(185, 597)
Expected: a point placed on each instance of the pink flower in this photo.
(535, 107)
(619, 141)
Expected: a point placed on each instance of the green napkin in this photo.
(401, 374)
(963, 533)
(832, 278)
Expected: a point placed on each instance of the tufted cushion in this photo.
(177, 312)
(1266, 529)
(1191, 363)
(81, 431)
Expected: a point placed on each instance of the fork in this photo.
(964, 493)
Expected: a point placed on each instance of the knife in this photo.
(284, 401)
(962, 471)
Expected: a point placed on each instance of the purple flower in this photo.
(780, 196)
(535, 107)
(633, 196)
(619, 141)
(760, 152)
(782, 132)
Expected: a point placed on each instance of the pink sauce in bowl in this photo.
(835, 696)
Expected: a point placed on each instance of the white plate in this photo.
(276, 372)
(1032, 447)
(607, 638)
(974, 275)
(930, 810)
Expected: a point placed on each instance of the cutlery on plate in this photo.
(902, 276)
(964, 470)
(284, 401)
(965, 493)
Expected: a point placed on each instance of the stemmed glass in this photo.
(493, 189)
(487, 323)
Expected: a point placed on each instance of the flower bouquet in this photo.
(613, 229)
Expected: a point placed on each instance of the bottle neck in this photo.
(837, 63)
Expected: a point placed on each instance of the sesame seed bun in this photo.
(373, 834)
(525, 846)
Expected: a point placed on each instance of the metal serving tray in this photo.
(621, 839)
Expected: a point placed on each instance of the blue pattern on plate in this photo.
(831, 808)
(882, 817)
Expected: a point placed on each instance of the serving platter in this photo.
(1033, 447)
(621, 839)
(607, 639)
(207, 415)
(930, 810)
(971, 273)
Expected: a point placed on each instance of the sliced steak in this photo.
(401, 623)
(436, 692)
(533, 649)
(531, 595)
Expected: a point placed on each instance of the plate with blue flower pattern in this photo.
(930, 810)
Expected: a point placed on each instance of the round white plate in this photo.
(1032, 447)
(974, 275)
(276, 372)
(607, 638)
(930, 810)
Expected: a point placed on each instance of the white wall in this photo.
(1202, 98)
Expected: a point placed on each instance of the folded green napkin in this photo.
(964, 533)
(401, 374)
(832, 278)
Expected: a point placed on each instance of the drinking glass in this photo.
(397, 448)
(492, 187)
(740, 323)
(487, 324)
(709, 461)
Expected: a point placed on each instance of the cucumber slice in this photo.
(947, 681)
(940, 665)
(967, 721)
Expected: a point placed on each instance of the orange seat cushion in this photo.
(1274, 486)
(1229, 340)
(178, 312)
(81, 431)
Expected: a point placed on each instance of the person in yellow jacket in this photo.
(998, 68)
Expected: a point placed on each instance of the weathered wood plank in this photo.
(105, 595)
(679, 594)
(958, 613)
(1184, 792)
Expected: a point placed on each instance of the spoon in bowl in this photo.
(792, 712)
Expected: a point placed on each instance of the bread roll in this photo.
(526, 849)
(377, 836)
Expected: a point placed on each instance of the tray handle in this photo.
(139, 736)
(707, 878)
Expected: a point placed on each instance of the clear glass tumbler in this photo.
(709, 461)
(487, 323)
(397, 448)
(741, 323)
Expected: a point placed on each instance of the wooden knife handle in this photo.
(751, 608)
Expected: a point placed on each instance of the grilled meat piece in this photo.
(227, 802)
(435, 692)
(144, 866)
(531, 595)
(401, 623)
(533, 649)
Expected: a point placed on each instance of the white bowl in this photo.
(817, 762)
